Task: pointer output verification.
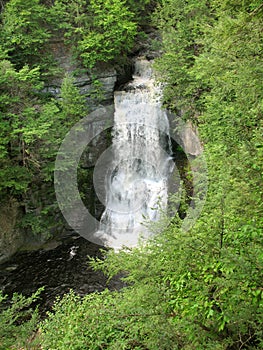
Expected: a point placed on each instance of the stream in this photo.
(59, 269)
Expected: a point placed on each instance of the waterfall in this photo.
(136, 185)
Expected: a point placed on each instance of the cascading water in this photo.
(136, 185)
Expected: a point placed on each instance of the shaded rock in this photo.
(96, 84)
(185, 134)
(11, 238)
(99, 124)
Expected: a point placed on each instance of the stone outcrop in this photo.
(185, 134)
(97, 84)
(11, 238)
(99, 123)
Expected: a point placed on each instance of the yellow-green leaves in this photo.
(112, 33)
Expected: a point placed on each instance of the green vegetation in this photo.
(33, 123)
(24, 31)
(17, 321)
(195, 290)
(98, 31)
(111, 31)
(31, 130)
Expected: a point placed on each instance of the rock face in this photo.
(11, 238)
(97, 87)
(97, 84)
(186, 135)
(99, 123)
(190, 140)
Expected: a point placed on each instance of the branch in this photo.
(256, 10)
(246, 341)
(222, 232)
(2, 5)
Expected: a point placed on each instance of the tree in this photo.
(31, 131)
(181, 25)
(18, 321)
(111, 33)
(18, 105)
(25, 31)
(100, 31)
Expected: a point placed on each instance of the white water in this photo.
(136, 188)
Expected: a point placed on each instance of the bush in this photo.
(18, 321)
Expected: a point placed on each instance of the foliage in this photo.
(137, 7)
(186, 291)
(17, 321)
(18, 102)
(109, 320)
(54, 120)
(33, 124)
(31, 130)
(72, 104)
(96, 31)
(181, 24)
(100, 31)
(25, 31)
(226, 101)
(111, 33)
(200, 289)
(73, 18)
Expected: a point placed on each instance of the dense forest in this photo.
(200, 289)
